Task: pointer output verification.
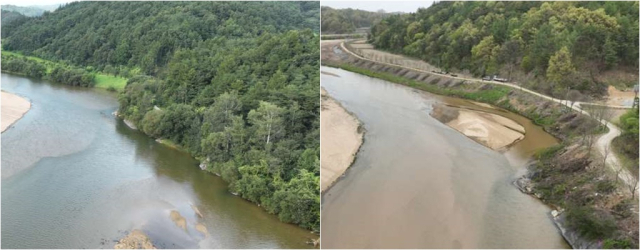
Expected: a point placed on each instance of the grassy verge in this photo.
(490, 95)
(102, 80)
(110, 82)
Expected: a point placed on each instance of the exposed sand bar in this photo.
(135, 240)
(491, 130)
(13, 108)
(340, 139)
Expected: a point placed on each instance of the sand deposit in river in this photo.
(201, 228)
(13, 108)
(135, 240)
(178, 219)
(341, 139)
(491, 130)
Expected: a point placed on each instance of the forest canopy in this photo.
(556, 45)
(234, 83)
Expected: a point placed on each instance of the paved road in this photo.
(602, 143)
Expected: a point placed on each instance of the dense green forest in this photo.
(40, 69)
(344, 21)
(9, 16)
(551, 46)
(234, 83)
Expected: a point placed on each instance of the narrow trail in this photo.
(602, 144)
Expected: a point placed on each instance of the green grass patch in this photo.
(102, 80)
(110, 82)
(490, 95)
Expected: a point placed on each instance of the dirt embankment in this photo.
(13, 108)
(341, 138)
(491, 130)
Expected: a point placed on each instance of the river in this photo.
(74, 176)
(417, 183)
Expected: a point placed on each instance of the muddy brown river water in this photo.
(417, 183)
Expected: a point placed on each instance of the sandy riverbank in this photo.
(340, 139)
(491, 130)
(135, 240)
(13, 108)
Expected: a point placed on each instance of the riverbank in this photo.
(341, 135)
(491, 130)
(569, 126)
(45, 68)
(13, 108)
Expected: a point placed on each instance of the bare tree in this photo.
(588, 139)
(618, 171)
(607, 115)
(607, 151)
(573, 96)
(633, 186)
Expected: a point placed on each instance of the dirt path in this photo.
(13, 108)
(340, 138)
(511, 85)
(603, 142)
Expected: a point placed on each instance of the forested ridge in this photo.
(343, 21)
(235, 84)
(551, 46)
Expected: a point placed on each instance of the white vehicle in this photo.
(498, 79)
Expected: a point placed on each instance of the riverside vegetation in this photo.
(344, 21)
(235, 84)
(549, 47)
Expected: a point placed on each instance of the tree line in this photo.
(68, 75)
(344, 21)
(559, 46)
(235, 84)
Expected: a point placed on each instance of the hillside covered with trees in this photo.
(235, 84)
(550, 46)
(344, 21)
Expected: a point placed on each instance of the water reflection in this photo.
(74, 176)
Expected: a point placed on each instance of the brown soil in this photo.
(620, 98)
